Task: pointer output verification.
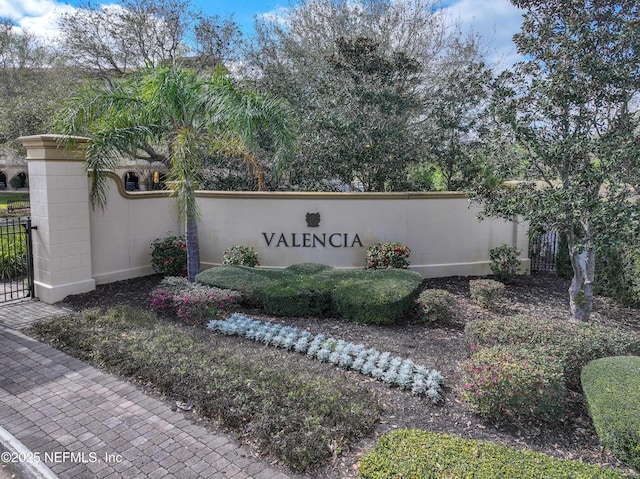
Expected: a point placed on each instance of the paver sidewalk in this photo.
(84, 423)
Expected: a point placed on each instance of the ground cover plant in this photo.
(393, 370)
(373, 297)
(425, 455)
(297, 415)
(441, 345)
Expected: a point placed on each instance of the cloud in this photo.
(277, 15)
(496, 21)
(36, 16)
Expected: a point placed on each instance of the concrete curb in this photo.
(25, 469)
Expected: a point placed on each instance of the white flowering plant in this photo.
(241, 255)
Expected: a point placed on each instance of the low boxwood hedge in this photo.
(612, 391)
(308, 289)
(412, 453)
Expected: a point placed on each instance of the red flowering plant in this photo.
(504, 262)
(388, 255)
(169, 256)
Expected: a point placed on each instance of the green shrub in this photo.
(415, 454)
(612, 392)
(241, 255)
(169, 256)
(376, 297)
(286, 409)
(388, 255)
(618, 267)
(16, 182)
(436, 305)
(574, 344)
(248, 281)
(486, 293)
(296, 295)
(508, 382)
(308, 268)
(13, 253)
(505, 262)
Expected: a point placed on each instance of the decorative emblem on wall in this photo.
(313, 220)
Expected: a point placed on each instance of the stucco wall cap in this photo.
(54, 147)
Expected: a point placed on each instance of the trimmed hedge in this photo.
(374, 297)
(612, 392)
(412, 453)
(308, 289)
(294, 295)
(574, 344)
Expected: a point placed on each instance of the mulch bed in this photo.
(441, 347)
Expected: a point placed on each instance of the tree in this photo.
(571, 110)
(113, 39)
(181, 114)
(358, 75)
(31, 85)
(454, 112)
(369, 134)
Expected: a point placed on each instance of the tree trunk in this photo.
(193, 247)
(581, 289)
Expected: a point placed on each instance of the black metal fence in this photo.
(543, 251)
(16, 259)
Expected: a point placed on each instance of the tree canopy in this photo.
(31, 85)
(360, 77)
(113, 39)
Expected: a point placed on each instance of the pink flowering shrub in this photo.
(191, 303)
(388, 255)
(509, 383)
(572, 344)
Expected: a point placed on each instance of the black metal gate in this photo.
(543, 251)
(16, 259)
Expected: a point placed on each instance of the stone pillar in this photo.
(59, 191)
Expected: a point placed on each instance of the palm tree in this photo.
(178, 117)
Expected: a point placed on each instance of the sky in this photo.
(495, 20)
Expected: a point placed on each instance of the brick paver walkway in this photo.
(84, 423)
